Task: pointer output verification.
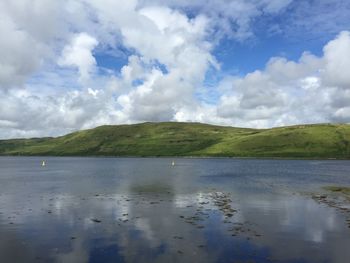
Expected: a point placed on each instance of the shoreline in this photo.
(186, 157)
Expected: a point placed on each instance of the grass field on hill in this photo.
(191, 139)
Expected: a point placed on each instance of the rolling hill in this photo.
(191, 139)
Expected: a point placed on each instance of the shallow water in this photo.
(146, 210)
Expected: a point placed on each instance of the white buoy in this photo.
(43, 163)
(173, 163)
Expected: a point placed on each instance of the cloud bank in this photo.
(51, 80)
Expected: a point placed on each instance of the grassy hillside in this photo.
(191, 139)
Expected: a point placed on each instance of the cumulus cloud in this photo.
(17, 59)
(232, 19)
(163, 38)
(287, 92)
(310, 90)
(54, 85)
(336, 54)
(78, 54)
(27, 30)
(26, 114)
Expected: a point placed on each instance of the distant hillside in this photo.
(191, 139)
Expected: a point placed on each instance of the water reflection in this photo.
(144, 210)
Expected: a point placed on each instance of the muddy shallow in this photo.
(146, 210)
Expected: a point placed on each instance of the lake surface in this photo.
(146, 210)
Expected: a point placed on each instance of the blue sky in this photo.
(246, 55)
(76, 64)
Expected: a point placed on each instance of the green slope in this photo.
(191, 139)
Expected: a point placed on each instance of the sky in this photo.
(77, 64)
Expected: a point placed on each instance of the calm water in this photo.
(145, 210)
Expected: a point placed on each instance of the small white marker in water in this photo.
(43, 163)
(173, 163)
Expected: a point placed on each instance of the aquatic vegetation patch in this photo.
(219, 205)
(337, 197)
(339, 189)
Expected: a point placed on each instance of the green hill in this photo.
(191, 139)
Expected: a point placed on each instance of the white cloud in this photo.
(79, 54)
(169, 56)
(313, 89)
(20, 53)
(229, 18)
(336, 55)
(287, 92)
(28, 31)
(164, 37)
